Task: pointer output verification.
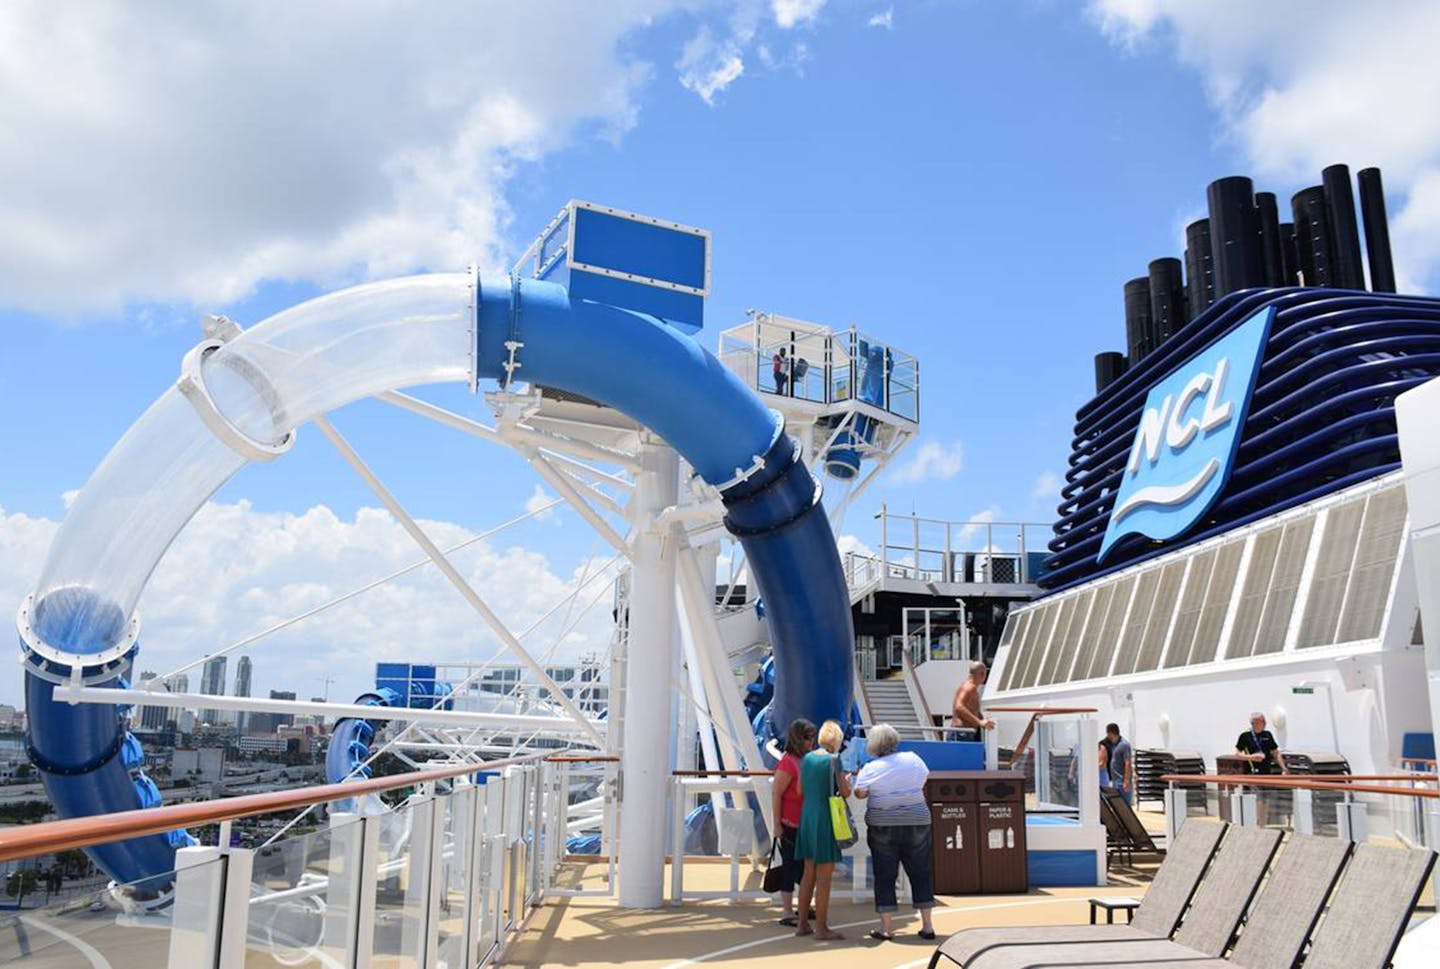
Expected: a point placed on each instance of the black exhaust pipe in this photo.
(1167, 298)
(1312, 237)
(1108, 368)
(1234, 235)
(1199, 269)
(1268, 213)
(1377, 231)
(1289, 256)
(1139, 326)
(1349, 271)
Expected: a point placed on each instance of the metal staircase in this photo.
(889, 702)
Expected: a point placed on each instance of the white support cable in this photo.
(346, 597)
(498, 627)
(624, 484)
(509, 434)
(592, 491)
(576, 500)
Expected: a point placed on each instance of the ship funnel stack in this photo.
(1242, 244)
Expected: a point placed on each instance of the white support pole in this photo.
(498, 627)
(235, 914)
(196, 911)
(1089, 738)
(644, 768)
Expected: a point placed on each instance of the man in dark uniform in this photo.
(1257, 746)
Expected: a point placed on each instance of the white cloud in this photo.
(1299, 86)
(932, 461)
(709, 65)
(1046, 488)
(885, 19)
(538, 500)
(794, 13)
(235, 570)
(187, 152)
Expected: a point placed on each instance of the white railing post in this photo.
(1177, 810)
(1245, 808)
(417, 932)
(677, 840)
(239, 866)
(196, 912)
(992, 749)
(1304, 811)
(1353, 819)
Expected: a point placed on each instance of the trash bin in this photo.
(978, 831)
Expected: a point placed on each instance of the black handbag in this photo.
(775, 871)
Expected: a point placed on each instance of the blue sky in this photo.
(972, 180)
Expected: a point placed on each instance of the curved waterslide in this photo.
(320, 355)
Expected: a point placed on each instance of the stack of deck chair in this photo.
(1199, 914)
(1330, 767)
(1151, 765)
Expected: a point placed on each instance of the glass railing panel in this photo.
(125, 927)
(400, 886)
(456, 880)
(303, 895)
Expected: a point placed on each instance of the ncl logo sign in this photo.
(1187, 438)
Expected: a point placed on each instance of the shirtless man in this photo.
(966, 714)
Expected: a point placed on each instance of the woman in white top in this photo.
(897, 821)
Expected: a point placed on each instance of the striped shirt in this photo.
(895, 790)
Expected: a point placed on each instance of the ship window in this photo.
(1109, 638)
(1020, 623)
(1252, 593)
(1069, 617)
(1161, 614)
(1008, 635)
(1332, 574)
(1129, 645)
(1192, 600)
(1280, 602)
(1036, 650)
(1057, 664)
(1217, 602)
(1099, 616)
(1375, 560)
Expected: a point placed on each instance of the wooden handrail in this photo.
(1288, 783)
(26, 840)
(719, 773)
(595, 759)
(1042, 711)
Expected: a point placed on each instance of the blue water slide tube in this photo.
(842, 460)
(241, 398)
(350, 740)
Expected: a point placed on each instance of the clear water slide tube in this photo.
(247, 396)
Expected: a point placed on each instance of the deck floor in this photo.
(596, 932)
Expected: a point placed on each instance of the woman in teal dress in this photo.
(820, 776)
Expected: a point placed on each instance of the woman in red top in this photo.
(785, 791)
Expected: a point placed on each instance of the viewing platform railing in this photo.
(938, 550)
(446, 877)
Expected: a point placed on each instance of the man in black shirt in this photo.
(1257, 746)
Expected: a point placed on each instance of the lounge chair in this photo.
(1206, 932)
(1156, 918)
(1129, 820)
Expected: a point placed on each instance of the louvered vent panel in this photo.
(1192, 600)
(1105, 646)
(1162, 613)
(1375, 561)
(1252, 593)
(1134, 633)
(1020, 624)
(1057, 641)
(1057, 664)
(1332, 574)
(1099, 620)
(1217, 602)
(1036, 652)
(1284, 583)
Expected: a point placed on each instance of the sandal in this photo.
(879, 936)
(789, 920)
(927, 934)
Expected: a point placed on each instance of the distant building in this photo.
(263, 744)
(243, 670)
(212, 683)
(263, 724)
(151, 718)
(199, 764)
